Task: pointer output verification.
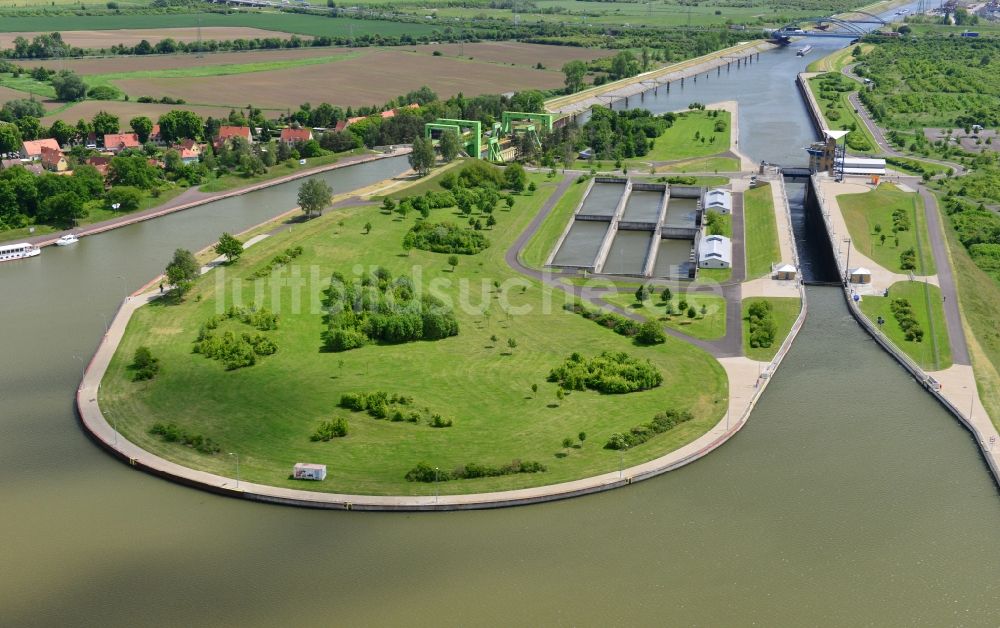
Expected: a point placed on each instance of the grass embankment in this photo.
(835, 61)
(708, 164)
(760, 231)
(784, 310)
(933, 353)
(541, 245)
(862, 212)
(708, 326)
(837, 110)
(267, 412)
(979, 296)
(230, 181)
(692, 135)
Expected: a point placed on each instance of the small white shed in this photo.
(785, 272)
(860, 275)
(719, 200)
(715, 251)
(308, 471)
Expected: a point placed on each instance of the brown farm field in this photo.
(108, 65)
(132, 36)
(369, 79)
(514, 53)
(128, 110)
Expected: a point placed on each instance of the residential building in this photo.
(54, 160)
(100, 164)
(32, 149)
(715, 251)
(228, 132)
(117, 142)
(292, 136)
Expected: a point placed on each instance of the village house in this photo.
(290, 136)
(100, 164)
(228, 132)
(32, 149)
(117, 142)
(154, 135)
(54, 160)
(31, 166)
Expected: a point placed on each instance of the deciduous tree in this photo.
(314, 196)
(230, 247)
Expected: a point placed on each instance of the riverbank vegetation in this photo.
(479, 380)
(888, 226)
(781, 313)
(913, 318)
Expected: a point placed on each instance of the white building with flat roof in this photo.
(307, 471)
(715, 251)
(863, 166)
(719, 200)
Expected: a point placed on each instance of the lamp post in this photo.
(115, 206)
(104, 317)
(621, 463)
(437, 476)
(83, 369)
(124, 287)
(114, 423)
(847, 265)
(237, 468)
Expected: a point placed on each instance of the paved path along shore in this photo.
(745, 388)
(193, 197)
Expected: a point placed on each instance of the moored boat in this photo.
(21, 250)
(66, 240)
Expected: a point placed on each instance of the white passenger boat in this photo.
(67, 239)
(10, 252)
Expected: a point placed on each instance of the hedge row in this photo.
(277, 262)
(174, 434)
(395, 407)
(423, 472)
(662, 422)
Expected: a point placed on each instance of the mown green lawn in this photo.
(785, 310)
(862, 212)
(267, 412)
(692, 135)
(934, 352)
(540, 246)
(708, 326)
(714, 275)
(707, 164)
(761, 231)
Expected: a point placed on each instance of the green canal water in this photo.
(851, 498)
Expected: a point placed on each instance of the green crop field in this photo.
(275, 21)
(934, 352)
(267, 412)
(862, 212)
(761, 231)
(708, 326)
(785, 310)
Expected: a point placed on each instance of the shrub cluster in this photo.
(144, 365)
(277, 262)
(174, 434)
(901, 219)
(903, 312)
(662, 422)
(445, 237)
(327, 430)
(608, 372)
(762, 327)
(623, 134)
(378, 308)
(424, 472)
(262, 319)
(234, 351)
(615, 322)
(908, 259)
(166, 100)
(715, 223)
(395, 408)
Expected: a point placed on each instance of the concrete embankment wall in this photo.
(922, 377)
(815, 113)
(650, 81)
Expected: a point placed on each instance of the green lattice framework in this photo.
(470, 133)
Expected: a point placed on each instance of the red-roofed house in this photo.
(154, 134)
(189, 151)
(117, 142)
(32, 149)
(100, 163)
(53, 159)
(293, 136)
(229, 132)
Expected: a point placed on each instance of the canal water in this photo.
(851, 498)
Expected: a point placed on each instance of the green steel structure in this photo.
(470, 133)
